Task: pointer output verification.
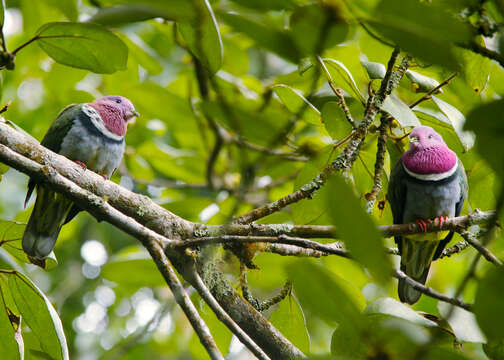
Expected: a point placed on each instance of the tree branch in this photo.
(473, 241)
(101, 210)
(398, 274)
(347, 156)
(147, 213)
(225, 318)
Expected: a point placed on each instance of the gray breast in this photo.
(429, 199)
(85, 144)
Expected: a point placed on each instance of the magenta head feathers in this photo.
(428, 153)
(115, 112)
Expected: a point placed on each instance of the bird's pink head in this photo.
(115, 112)
(428, 153)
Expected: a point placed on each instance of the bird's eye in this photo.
(430, 136)
(118, 101)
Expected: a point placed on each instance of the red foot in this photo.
(81, 164)
(441, 219)
(422, 225)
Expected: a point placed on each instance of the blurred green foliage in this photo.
(257, 78)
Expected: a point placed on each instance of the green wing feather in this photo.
(55, 135)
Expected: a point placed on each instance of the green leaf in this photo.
(423, 83)
(289, 319)
(203, 37)
(462, 322)
(457, 119)
(40, 315)
(265, 34)
(475, 68)
(11, 235)
(144, 59)
(483, 120)
(400, 111)
(344, 78)
(67, 8)
(124, 14)
(133, 267)
(295, 101)
(3, 169)
(2, 13)
(181, 10)
(424, 30)
(316, 27)
(335, 121)
(393, 307)
(357, 229)
(494, 349)
(374, 70)
(488, 303)
(312, 210)
(85, 46)
(9, 347)
(325, 294)
(266, 4)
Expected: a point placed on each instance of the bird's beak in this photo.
(131, 114)
(413, 140)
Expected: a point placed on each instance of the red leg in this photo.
(104, 176)
(421, 224)
(81, 164)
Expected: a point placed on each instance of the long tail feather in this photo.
(416, 259)
(45, 223)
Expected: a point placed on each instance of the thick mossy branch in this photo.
(142, 210)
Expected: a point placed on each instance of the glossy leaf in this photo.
(2, 13)
(271, 38)
(335, 121)
(85, 46)
(400, 111)
(132, 267)
(424, 30)
(124, 14)
(422, 83)
(67, 7)
(38, 312)
(171, 10)
(203, 37)
(357, 229)
(489, 132)
(11, 234)
(316, 27)
(290, 320)
(374, 70)
(457, 119)
(8, 346)
(325, 294)
(344, 78)
(296, 102)
(487, 304)
(393, 307)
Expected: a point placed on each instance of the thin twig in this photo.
(348, 155)
(225, 318)
(398, 274)
(379, 162)
(433, 91)
(338, 92)
(459, 223)
(455, 249)
(101, 210)
(285, 155)
(473, 241)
